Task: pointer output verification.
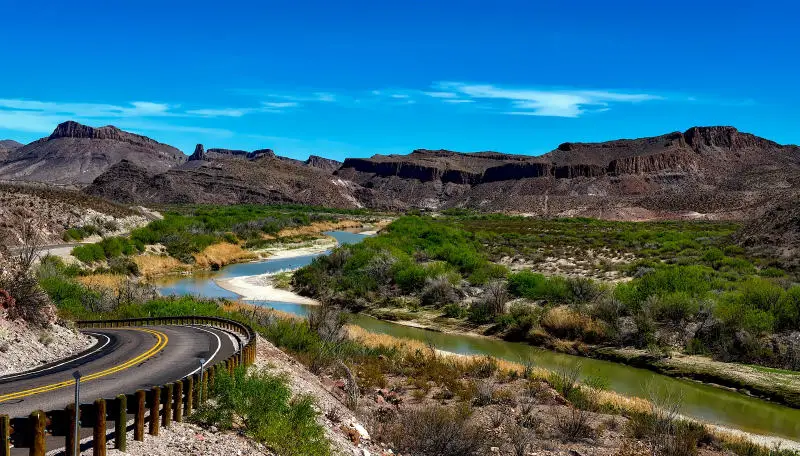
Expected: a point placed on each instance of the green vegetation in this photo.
(687, 283)
(261, 406)
(188, 230)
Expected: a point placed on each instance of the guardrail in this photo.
(165, 403)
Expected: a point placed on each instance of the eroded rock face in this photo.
(77, 154)
(686, 168)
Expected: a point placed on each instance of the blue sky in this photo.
(353, 78)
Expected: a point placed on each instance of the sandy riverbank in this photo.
(260, 288)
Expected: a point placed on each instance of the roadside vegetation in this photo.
(684, 287)
(414, 399)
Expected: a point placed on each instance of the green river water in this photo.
(703, 402)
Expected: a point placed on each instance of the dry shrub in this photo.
(521, 439)
(574, 424)
(436, 431)
(567, 323)
(218, 255)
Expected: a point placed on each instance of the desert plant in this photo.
(437, 431)
(574, 424)
(521, 438)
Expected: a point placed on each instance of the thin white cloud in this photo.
(135, 109)
(222, 112)
(280, 104)
(399, 95)
(546, 102)
(458, 100)
(441, 94)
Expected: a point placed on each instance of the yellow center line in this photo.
(161, 342)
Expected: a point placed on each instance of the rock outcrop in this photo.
(713, 171)
(77, 154)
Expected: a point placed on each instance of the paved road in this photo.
(124, 360)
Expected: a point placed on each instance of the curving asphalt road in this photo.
(123, 360)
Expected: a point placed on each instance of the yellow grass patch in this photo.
(153, 265)
(219, 255)
(565, 322)
(97, 281)
(318, 227)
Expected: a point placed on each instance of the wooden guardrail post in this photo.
(121, 424)
(179, 401)
(204, 388)
(198, 389)
(37, 421)
(166, 418)
(138, 420)
(99, 435)
(155, 403)
(189, 397)
(69, 439)
(5, 435)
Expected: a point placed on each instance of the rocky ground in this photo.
(24, 347)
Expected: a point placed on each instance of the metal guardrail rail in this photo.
(166, 403)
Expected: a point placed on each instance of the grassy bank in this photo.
(686, 289)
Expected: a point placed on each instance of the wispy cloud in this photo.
(221, 112)
(441, 94)
(280, 104)
(459, 100)
(544, 102)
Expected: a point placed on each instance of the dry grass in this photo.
(219, 255)
(154, 265)
(569, 324)
(239, 306)
(97, 281)
(318, 227)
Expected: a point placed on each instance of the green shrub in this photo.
(532, 285)
(262, 406)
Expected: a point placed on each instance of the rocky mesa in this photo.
(716, 172)
(77, 154)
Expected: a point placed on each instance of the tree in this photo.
(18, 278)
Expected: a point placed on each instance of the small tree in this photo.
(18, 278)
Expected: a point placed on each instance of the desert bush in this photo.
(18, 278)
(438, 291)
(574, 424)
(437, 431)
(520, 438)
(531, 285)
(261, 406)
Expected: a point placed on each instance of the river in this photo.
(703, 402)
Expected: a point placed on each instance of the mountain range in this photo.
(703, 172)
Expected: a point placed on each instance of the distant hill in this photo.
(6, 146)
(229, 179)
(714, 172)
(77, 154)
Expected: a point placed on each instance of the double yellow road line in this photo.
(161, 342)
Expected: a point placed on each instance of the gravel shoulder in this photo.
(24, 347)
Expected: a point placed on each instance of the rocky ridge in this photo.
(705, 170)
(77, 154)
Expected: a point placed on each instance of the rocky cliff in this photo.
(77, 154)
(704, 171)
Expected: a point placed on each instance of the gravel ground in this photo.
(189, 440)
(23, 347)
